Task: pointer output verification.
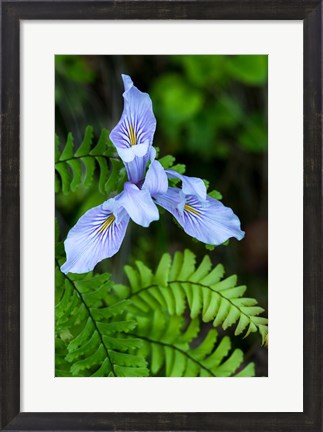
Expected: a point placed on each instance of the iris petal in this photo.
(138, 204)
(97, 235)
(190, 185)
(133, 135)
(208, 221)
(156, 179)
(129, 153)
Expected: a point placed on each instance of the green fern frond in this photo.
(74, 169)
(92, 335)
(178, 283)
(174, 351)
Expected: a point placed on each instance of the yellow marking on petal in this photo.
(132, 135)
(190, 209)
(107, 223)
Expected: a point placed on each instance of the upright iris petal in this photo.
(138, 204)
(97, 235)
(206, 220)
(190, 185)
(156, 179)
(133, 135)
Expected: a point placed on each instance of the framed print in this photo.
(166, 157)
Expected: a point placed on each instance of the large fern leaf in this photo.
(178, 283)
(76, 168)
(91, 336)
(175, 351)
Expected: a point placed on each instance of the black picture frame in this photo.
(310, 11)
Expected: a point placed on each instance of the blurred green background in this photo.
(211, 115)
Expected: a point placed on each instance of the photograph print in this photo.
(161, 216)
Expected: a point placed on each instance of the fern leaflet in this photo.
(74, 169)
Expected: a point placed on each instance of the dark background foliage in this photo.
(212, 116)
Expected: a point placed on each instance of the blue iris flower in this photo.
(99, 233)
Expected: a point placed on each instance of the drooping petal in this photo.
(208, 221)
(173, 200)
(156, 179)
(97, 235)
(133, 135)
(138, 204)
(137, 123)
(190, 185)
